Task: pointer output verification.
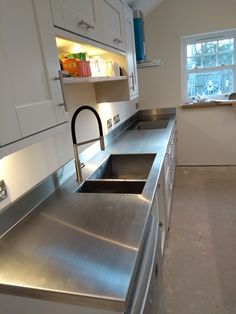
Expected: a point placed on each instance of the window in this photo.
(209, 70)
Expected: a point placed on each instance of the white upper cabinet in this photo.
(112, 23)
(100, 20)
(131, 54)
(30, 95)
(78, 16)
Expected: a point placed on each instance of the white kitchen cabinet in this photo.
(101, 20)
(113, 19)
(112, 24)
(81, 17)
(107, 87)
(30, 96)
(161, 210)
(131, 53)
(169, 172)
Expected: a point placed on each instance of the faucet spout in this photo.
(76, 144)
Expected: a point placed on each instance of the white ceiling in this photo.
(146, 6)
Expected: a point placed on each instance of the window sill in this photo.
(210, 104)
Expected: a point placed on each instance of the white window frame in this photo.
(188, 40)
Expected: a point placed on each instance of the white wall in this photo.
(84, 94)
(203, 134)
(27, 167)
(206, 136)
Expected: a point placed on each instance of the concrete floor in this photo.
(199, 270)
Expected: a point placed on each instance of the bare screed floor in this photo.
(200, 258)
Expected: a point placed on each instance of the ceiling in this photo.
(146, 6)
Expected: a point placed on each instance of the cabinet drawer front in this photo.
(35, 117)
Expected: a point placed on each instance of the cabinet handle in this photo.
(135, 80)
(117, 41)
(156, 271)
(87, 25)
(132, 76)
(158, 185)
(62, 90)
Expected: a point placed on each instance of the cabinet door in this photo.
(131, 53)
(112, 23)
(50, 56)
(169, 172)
(9, 126)
(161, 211)
(78, 16)
(27, 100)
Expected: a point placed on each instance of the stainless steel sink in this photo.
(127, 166)
(149, 124)
(112, 186)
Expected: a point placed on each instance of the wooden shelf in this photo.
(99, 79)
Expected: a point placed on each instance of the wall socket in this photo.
(116, 118)
(3, 190)
(109, 123)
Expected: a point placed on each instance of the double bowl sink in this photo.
(150, 124)
(121, 173)
(124, 173)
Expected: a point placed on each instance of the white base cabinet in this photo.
(169, 172)
(165, 188)
(162, 209)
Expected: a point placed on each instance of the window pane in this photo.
(226, 58)
(193, 63)
(209, 66)
(194, 50)
(209, 47)
(226, 45)
(210, 84)
(209, 61)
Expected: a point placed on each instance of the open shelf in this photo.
(105, 84)
(149, 64)
(98, 79)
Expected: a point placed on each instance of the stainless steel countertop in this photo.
(84, 248)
